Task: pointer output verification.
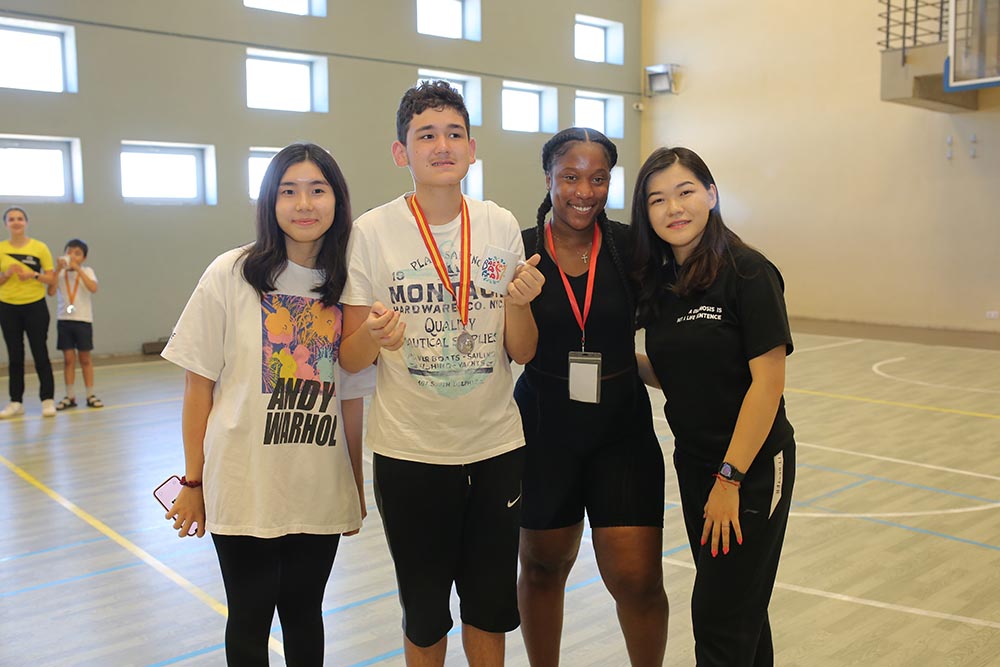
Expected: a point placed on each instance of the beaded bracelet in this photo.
(189, 483)
(727, 481)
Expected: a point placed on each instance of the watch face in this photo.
(726, 471)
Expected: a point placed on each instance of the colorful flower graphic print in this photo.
(300, 338)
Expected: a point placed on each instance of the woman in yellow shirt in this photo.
(25, 272)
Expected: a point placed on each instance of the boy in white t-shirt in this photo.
(443, 425)
(75, 320)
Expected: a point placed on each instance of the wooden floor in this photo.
(892, 555)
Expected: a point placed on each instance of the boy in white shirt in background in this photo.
(75, 320)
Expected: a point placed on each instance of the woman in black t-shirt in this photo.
(590, 444)
(716, 337)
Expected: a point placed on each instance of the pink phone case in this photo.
(167, 492)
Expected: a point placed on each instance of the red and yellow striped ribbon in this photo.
(465, 269)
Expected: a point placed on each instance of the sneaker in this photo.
(48, 408)
(13, 409)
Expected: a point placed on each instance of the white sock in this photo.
(70, 392)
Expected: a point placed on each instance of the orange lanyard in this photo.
(581, 319)
(71, 291)
(465, 273)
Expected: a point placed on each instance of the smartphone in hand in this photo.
(167, 494)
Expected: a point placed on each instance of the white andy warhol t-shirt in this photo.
(276, 459)
(434, 402)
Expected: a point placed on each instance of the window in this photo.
(166, 173)
(300, 7)
(616, 193)
(455, 19)
(286, 81)
(472, 184)
(470, 87)
(260, 158)
(527, 107)
(590, 112)
(590, 43)
(37, 56)
(40, 169)
(599, 40)
(602, 112)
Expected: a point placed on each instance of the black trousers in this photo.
(31, 319)
(287, 573)
(731, 592)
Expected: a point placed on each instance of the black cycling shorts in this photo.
(453, 524)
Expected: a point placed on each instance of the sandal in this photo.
(66, 402)
(94, 402)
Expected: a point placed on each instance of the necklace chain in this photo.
(584, 256)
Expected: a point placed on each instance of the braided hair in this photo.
(555, 148)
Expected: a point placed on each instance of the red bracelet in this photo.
(727, 481)
(189, 484)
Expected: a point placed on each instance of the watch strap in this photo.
(728, 471)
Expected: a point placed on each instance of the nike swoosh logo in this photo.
(511, 503)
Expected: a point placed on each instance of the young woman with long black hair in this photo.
(716, 337)
(271, 425)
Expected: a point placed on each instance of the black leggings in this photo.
(31, 319)
(732, 591)
(287, 573)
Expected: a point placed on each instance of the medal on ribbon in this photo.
(465, 342)
(71, 291)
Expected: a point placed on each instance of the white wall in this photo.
(852, 197)
(174, 71)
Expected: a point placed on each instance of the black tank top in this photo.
(609, 326)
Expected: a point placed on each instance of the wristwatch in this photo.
(732, 473)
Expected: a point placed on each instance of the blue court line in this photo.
(274, 628)
(679, 547)
(78, 543)
(358, 603)
(170, 552)
(922, 531)
(60, 437)
(391, 654)
(834, 492)
(69, 545)
(59, 582)
(586, 582)
(186, 656)
(922, 487)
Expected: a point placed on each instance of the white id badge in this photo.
(585, 377)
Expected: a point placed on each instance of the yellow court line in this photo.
(897, 404)
(94, 411)
(112, 366)
(129, 546)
